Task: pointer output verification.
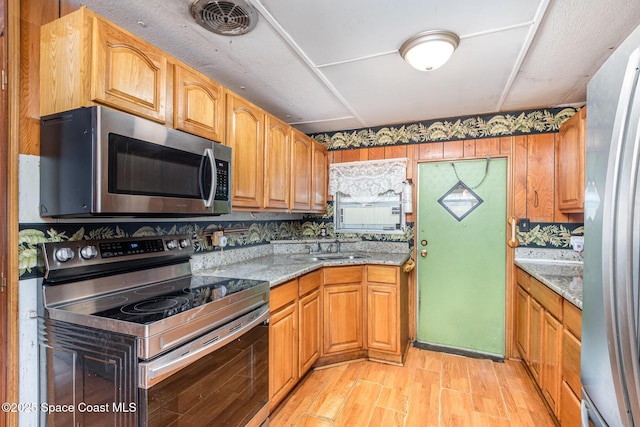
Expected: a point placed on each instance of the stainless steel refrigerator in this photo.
(610, 364)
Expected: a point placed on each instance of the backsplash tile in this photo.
(550, 235)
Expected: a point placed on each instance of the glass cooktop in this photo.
(148, 304)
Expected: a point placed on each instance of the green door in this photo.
(462, 275)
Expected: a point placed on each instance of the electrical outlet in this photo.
(577, 243)
(216, 237)
(524, 224)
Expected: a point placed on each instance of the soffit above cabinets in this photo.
(333, 65)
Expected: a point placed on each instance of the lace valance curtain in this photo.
(365, 181)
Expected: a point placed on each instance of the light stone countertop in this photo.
(281, 267)
(562, 276)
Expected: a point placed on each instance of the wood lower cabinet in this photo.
(343, 301)
(198, 104)
(310, 310)
(387, 322)
(283, 341)
(86, 60)
(547, 335)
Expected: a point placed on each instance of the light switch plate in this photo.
(524, 225)
(577, 243)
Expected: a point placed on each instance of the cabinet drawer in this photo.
(551, 301)
(338, 275)
(573, 318)
(309, 282)
(571, 361)
(382, 274)
(522, 279)
(283, 294)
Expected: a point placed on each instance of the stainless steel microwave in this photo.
(96, 161)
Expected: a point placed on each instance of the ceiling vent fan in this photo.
(226, 17)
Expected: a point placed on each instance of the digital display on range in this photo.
(109, 250)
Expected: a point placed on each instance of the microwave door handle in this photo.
(210, 159)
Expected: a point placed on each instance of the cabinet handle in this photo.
(535, 198)
(513, 242)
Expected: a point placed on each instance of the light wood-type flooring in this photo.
(432, 389)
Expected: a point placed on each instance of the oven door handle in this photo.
(152, 372)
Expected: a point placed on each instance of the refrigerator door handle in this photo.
(621, 228)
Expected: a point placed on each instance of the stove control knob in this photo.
(184, 243)
(172, 244)
(88, 252)
(64, 254)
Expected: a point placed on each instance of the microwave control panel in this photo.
(223, 178)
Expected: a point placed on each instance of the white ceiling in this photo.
(326, 65)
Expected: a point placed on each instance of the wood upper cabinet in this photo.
(198, 104)
(319, 177)
(245, 136)
(86, 60)
(343, 303)
(540, 173)
(301, 164)
(283, 341)
(570, 163)
(277, 164)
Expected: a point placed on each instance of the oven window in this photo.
(225, 388)
(143, 168)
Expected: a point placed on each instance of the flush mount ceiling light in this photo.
(429, 50)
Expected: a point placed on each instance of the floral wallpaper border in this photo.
(456, 128)
(550, 235)
(30, 263)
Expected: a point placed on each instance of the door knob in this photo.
(423, 253)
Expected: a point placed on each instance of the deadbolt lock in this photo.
(423, 242)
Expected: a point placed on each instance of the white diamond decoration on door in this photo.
(460, 201)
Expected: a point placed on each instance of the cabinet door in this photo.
(571, 349)
(551, 361)
(301, 156)
(570, 157)
(277, 164)
(540, 173)
(198, 104)
(320, 176)
(570, 414)
(283, 352)
(342, 321)
(128, 73)
(536, 313)
(245, 135)
(522, 323)
(309, 340)
(382, 317)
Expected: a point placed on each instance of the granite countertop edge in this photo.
(562, 277)
(280, 268)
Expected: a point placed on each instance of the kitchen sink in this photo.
(329, 256)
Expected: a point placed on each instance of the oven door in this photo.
(145, 167)
(221, 379)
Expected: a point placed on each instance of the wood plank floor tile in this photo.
(331, 399)
(456, 408)
(485, 388)
(384, 417)
(455, 374)
(358, 409)
(431, 390)
(397, 388)
(311, 421)
(424, 400)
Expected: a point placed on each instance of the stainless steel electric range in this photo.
(129, 337)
